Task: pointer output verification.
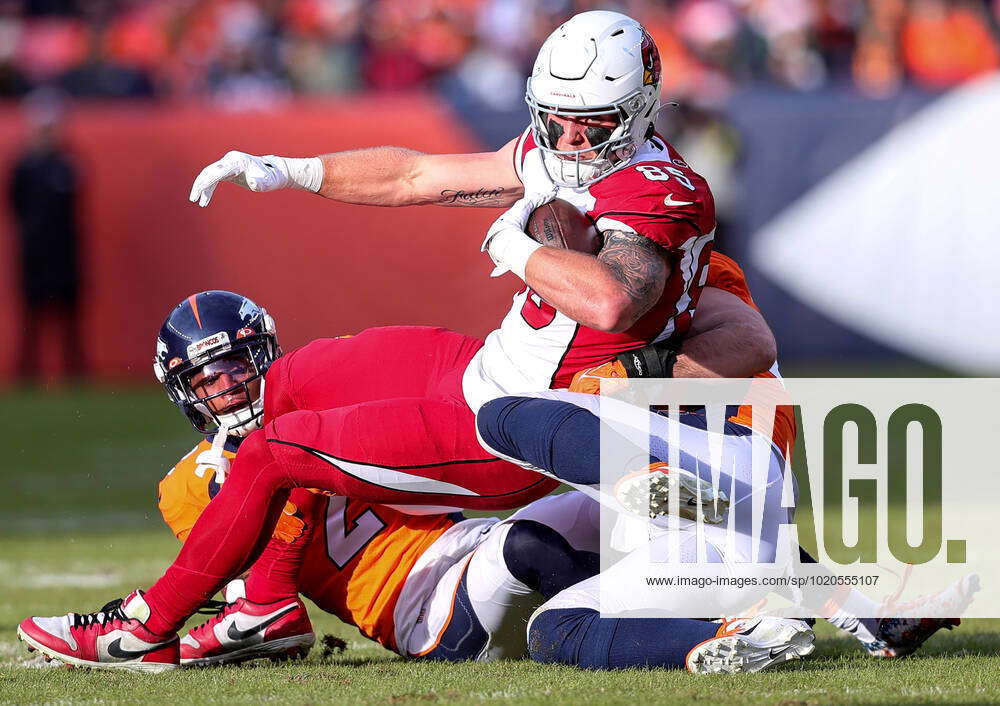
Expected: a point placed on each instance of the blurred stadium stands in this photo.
(252, 52)
(775, 96)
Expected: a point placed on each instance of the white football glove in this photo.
(534, 175)
(506, 242)
(267, 173)
(214, 459)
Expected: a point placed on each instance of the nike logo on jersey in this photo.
(237, 635)
(669, 201)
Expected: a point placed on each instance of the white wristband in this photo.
(305, 173)
(511, 248)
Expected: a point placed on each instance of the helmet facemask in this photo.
(611, 150)
(246, 363)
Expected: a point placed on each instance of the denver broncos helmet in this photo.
(209, 334)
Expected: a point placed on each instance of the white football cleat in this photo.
(647, 494)
(750, 645)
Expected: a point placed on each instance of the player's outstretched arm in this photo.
(394, 176)
(376, 176)
(728, 338)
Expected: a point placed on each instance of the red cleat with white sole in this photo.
(114, 637)
(244, 630)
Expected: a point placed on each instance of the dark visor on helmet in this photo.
(237, 367)
(237, 370)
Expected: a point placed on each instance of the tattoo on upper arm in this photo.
(482, 197)
(638, 263)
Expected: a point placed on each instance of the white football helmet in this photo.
(596, 63)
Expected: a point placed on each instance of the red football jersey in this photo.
(658, 196)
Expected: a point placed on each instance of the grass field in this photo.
(80, 526)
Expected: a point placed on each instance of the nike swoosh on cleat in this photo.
(777, 651)
(115, 650)
(236, 634)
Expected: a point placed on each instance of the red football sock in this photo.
(275, 575)
(236, 526)
(231, 532)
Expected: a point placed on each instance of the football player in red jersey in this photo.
(359, 566)
(593, 96)
(415, 442)
(334, 371)
(592, 143)
(371, 565)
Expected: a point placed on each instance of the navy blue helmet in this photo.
(210, 339)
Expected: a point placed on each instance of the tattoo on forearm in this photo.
(482, 197)
(636, 262)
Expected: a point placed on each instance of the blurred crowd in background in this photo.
(234, 55)
(246, 53)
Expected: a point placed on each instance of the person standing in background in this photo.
(43, 189)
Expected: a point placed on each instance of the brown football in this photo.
(558, 223)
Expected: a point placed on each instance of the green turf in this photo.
(80, 527)
(86, 459)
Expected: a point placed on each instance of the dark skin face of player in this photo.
(573, 132)
(220, 375)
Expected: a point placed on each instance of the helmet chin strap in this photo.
(577, 173)
(242, 421)
(245, 420)
(573, 173)
(214, 459)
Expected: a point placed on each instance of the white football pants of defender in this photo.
(502, 604)
(749, 542)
